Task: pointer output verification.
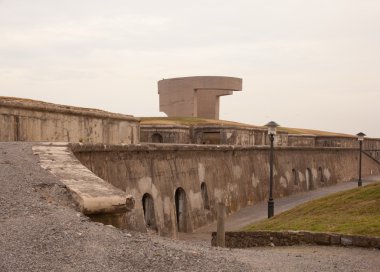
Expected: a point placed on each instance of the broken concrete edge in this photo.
(92, 194)
(291, 238)
(80, 147)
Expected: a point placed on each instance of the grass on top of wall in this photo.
(355, 211)
(189, 121)
(315, 132)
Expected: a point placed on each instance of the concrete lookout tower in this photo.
(195, 96)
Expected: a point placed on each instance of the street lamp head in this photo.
(272, 127)
(361, 136)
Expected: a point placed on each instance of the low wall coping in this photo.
(291, 238)
(92, 194)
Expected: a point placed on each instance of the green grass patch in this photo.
(355, 211)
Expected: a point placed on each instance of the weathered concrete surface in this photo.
(211, 134)
(92, 194)
(195, 96)
(167, 133)
(301, 140)
(36, 121)
(237, 176)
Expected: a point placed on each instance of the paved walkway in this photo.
(257, 212)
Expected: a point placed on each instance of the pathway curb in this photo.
(291, 238)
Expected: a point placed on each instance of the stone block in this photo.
(346, 241)
(322, 238)
(334, 239)
(375, 242)
(361, 241)
(308, 237)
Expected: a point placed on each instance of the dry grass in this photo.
(314, 132)
(189, 121)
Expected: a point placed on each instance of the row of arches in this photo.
(309, 177)
(180, 208)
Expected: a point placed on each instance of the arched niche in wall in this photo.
(295, 176)
(149, 215)
(157, 138)
(309, 179)
(181, 209)
(204, 192)
(321, 176)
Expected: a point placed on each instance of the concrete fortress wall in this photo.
(187, 181)
(29, 120)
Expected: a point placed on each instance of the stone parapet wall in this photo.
(336, 141)
(291, 238)
(35, 121)
(301, 140)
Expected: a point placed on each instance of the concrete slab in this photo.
(92, 194)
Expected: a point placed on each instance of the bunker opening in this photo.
(181, 209)
(309, 179)
(295, 177)
(321, 176)
(206, 203)
(157, 138)
(149, 216)
(211, 137)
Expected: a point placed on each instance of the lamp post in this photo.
(271, 132)
(361, 136)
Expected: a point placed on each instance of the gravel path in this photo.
(40, 230)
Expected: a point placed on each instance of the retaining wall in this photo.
(291, 238)
(237, 176)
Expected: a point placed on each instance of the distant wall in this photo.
(223, 135)
(250, 136)
(238, 176)
(210, 134)
(301, 140)
(27, 120)
(331, 141)
(168, 134)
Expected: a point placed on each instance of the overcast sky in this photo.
(309, 64)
